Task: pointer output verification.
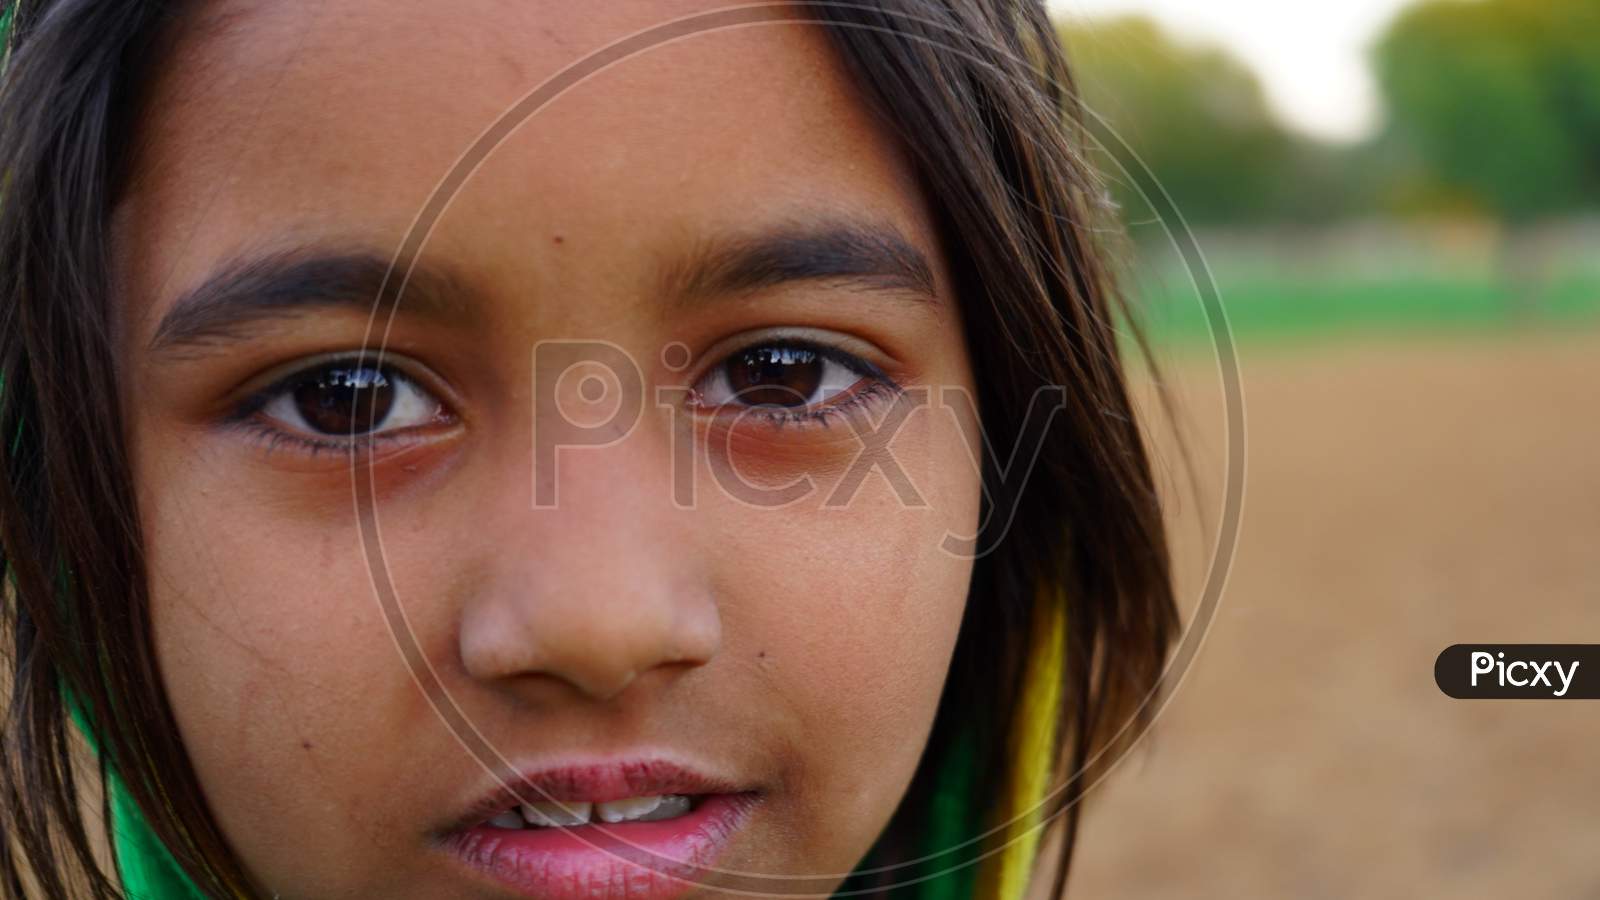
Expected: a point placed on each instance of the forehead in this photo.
(281, 124)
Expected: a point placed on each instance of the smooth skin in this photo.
(797, 649)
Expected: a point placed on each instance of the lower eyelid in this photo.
(873, 391)
(319, 455)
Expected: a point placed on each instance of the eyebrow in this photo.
(221, 309)
(242, 293)
(867, 255)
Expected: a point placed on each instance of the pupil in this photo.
(345, 401)
(775, 376)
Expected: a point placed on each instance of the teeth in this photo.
(671, 807)
(551, 813)
(508, 819)
(643, 809)
(624, 810)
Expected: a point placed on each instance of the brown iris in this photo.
(775, 376)
(345, 401)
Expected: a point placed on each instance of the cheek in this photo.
(276, 660)
(851, 609)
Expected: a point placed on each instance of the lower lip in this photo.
(597, 861)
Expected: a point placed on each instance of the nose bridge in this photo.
(598, 588)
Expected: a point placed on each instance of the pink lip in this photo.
(599, 861)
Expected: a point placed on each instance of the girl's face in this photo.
(722, 213)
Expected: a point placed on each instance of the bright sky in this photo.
(1310, 56)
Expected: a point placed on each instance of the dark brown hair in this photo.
(981, 96)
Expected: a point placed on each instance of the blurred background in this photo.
(1399, 203)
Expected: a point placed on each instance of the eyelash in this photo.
(875, 392)
(269, 438)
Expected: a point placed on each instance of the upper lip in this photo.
(594, 781)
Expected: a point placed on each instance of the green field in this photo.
(1264, 307)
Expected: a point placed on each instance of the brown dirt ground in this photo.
(1401, 496)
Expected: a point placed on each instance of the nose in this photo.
(596, 592)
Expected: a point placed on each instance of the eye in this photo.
(344, 399)
(784, 375)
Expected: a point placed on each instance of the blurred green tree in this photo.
(1495, 104)
(1199, 120)
(1494, 108)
